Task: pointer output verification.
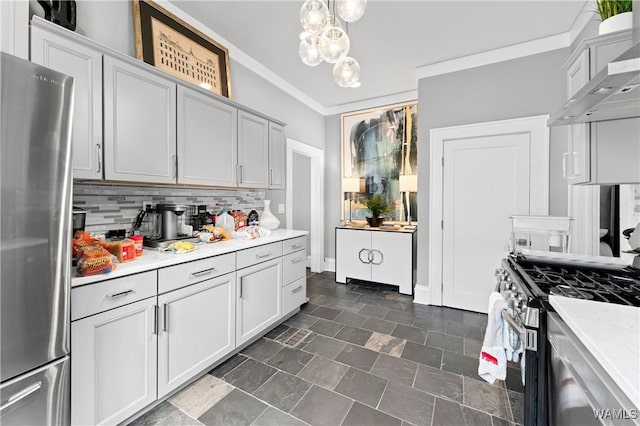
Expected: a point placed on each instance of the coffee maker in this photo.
(165, 225)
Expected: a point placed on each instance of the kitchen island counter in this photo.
(155, 259)
(611, 332)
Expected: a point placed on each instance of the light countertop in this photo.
(155, 259)
(611, 332)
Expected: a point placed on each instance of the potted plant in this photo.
(615, 14)
(377, 206)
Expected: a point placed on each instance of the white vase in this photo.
(619, 22)
(267, 219)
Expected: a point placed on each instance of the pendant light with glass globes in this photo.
(324, 39)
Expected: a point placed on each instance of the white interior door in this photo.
(486, 180)
(481, 174)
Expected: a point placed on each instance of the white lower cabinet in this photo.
(387, 257)
(197, 327)
(113, 368)
(259, 298)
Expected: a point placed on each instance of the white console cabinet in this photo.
(381, 256)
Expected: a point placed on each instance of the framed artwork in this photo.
(378, 146)
(169, 44)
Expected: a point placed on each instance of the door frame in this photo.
(539, 179)
(316, 157)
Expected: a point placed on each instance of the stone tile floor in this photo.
(367, 356)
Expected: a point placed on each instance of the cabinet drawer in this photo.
(294, 266)
(294, 244)
(294, 295)
(92, 299)
(255, 255)
(185, 274)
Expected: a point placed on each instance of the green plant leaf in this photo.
(609, 8)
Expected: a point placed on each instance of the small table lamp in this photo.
(409, 183)
(351, 185)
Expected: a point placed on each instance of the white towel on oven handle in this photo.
(493, 360)
(511, 340)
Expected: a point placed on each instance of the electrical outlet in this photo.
(280, 208)
(146, 204)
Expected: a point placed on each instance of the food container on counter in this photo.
(138, 240)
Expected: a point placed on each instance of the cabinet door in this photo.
(253, 151)
(113, 364)
(352, 250)
(207, 140)
(85, 66)
(139, 124)
(392, 259)
(197, 328)
(577, 158)
(259, 298)
(277, 161)
(616, 151)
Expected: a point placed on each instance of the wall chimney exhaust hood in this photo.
(613, 93)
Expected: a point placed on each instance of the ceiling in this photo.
(389, 41)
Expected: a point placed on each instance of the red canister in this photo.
(138, 240)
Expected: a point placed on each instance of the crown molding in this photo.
(587, 14)
(242, 58)
(396, 98)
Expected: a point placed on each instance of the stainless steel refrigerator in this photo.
(35, 206)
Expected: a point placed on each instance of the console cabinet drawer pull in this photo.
(296, 260)
(122, 293)
(296, 290)
(296, 246)
(201, 273)
(263, 255)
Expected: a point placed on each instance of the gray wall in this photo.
(528, 86)
(111, 23)
(332, 185)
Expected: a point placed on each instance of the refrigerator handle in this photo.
(21, 395)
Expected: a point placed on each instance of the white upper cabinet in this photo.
(253, 151)
(277, 161)
(139, 124)
(85, 66)
(207, 140)
(576, 160)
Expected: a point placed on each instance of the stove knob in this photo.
(521, 303)
(512, 287)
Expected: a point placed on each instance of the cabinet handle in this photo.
(270, 176)
(21, 395)
(296, 290)
(99, 158)
(165, 316)
(263, 255)
(296, 246)
(241, 282)
(122, 293)
(201, 273)
(174, 159)
(373, 257)
(297, 260)
(368, 255)
(155, 319)
(240, 174)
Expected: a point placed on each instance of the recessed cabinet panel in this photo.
(85, 66)
(576, 159)
(253, 151)
(197, 327)
(392, 259)
(259, 296)
(139, 124)
(113, 366)
(277, 156)
(352, 251)
(207, 140)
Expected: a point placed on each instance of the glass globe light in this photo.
(334, 45)
(346, 72)
(309, 51)
(355, 84)
(332, 21)
(314, 15)
(351, 10)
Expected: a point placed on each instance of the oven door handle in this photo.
(528, 337)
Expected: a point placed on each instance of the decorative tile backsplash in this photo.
(111, 206)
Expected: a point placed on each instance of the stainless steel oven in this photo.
(526, 281)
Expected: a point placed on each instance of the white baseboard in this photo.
(422, 294)
(330, 264)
